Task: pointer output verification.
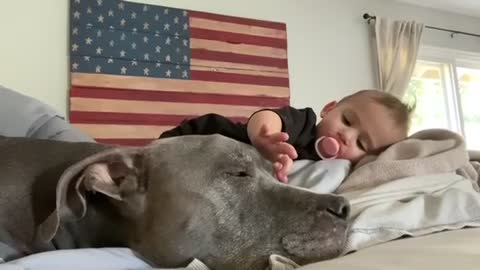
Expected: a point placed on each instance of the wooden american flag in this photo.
(138, 70)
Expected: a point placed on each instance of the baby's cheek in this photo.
(351, 154)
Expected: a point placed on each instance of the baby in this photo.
(365, 122)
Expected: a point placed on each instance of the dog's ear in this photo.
(117, 173)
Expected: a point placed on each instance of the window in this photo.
(445, 86)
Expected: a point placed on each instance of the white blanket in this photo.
(412, 206)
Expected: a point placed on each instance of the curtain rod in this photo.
(369, 18)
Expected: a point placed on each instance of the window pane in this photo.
(469, 89)
(426, 90)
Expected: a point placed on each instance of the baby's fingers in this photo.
(278, 137)
(287, 149)
(282, 173)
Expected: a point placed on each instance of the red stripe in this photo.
(238, 58)
(235, 38)
(127, 142)
(78, 117)
(170, 96)
(238, 20)
(238, 78)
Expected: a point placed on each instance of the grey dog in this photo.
(205, 197)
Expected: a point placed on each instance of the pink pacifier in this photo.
(329, 146)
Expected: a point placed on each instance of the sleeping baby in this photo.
(365, 122)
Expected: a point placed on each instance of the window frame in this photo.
(450, 59)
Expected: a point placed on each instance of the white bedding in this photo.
(412, 206)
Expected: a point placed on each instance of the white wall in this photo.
(328, 42)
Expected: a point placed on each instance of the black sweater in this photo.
(298, 123)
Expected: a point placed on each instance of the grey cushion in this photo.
(23, 116)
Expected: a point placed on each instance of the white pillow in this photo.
(80, 259)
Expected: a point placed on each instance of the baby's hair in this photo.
(400, 111)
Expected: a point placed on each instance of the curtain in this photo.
(397, 47)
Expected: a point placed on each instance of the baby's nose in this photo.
(349, 136)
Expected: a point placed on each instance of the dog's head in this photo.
(205, 197)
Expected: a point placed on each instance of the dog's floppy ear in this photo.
(116, 172)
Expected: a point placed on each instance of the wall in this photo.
(328, 42)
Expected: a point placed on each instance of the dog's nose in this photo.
(339, 207)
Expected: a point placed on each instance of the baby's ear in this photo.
(327, 108)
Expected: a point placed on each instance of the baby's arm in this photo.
(264, 131)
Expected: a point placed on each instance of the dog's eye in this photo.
(238, 174)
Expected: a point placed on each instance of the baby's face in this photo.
(361, 126)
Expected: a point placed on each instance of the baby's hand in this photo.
(275, 148)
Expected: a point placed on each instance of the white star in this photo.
(134, 15)
(168, 73)
(121, 5)
(99, 50)
(158, 64)
(122, 53)
(134, 45)
(185, 26)
(145, 39)
(123, 70)
(122, 22)
(167, 58)
(110, 60)
(134, 63)
(134, 30)
(98, 69)
(110, 13)
(168, 40)
(184, 74)
(76, 15)
(99, 2)
(123, 36)
(86, 58)
(185, 13)
(177, 50)
(157, 17)
(89, 10)
(185, 59)
(185, 42)
(166, 27)
(157, 49)
(145, 8)
(176, 35)
(88, 41)
(146, 71)
(77, 1)
(99, 33)
(146, 56)
(100, 19)
(74, 47)
(75, 66)
(112, 43)
(75, 31)
(175, 20)
(165, 11)
(177, 67)
(146, 25)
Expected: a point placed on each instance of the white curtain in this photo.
(397, 48)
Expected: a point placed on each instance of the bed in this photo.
(431, 218)
(421, 216)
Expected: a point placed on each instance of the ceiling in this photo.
(465, 7)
